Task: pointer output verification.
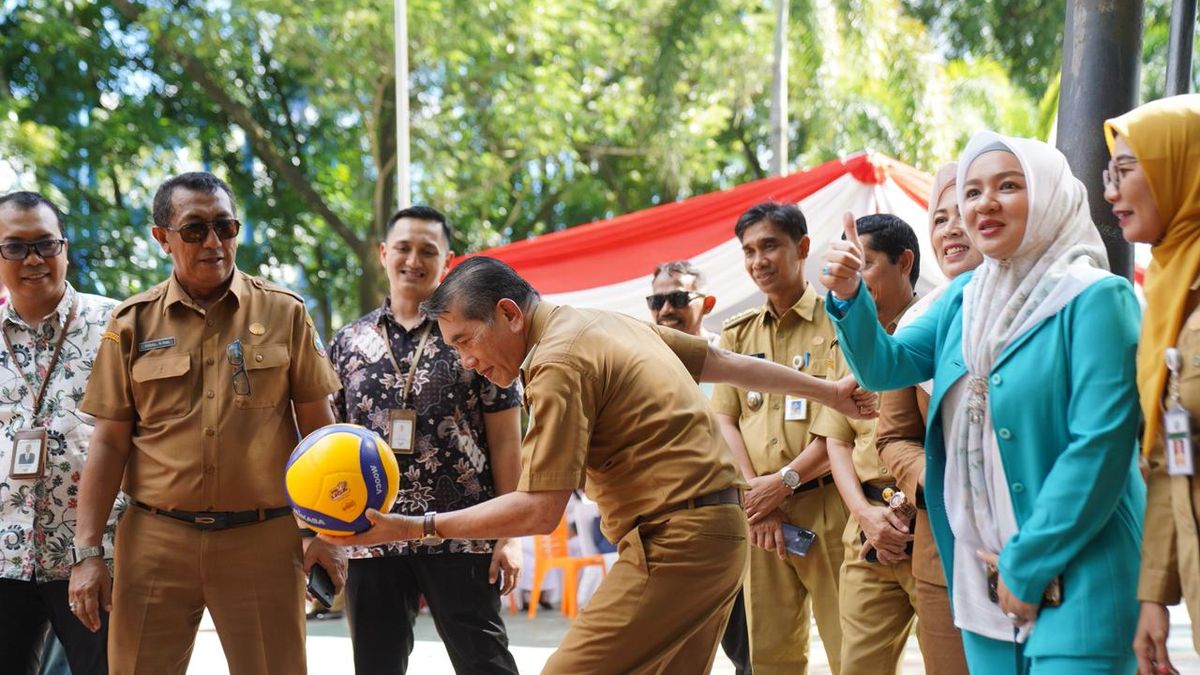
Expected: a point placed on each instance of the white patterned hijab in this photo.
(1060, 256)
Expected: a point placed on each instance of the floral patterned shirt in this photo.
(37, 515)
(450, 467)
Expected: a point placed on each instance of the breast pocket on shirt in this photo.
(161, 386)
(267, 368)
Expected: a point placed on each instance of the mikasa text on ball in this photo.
(338, 472)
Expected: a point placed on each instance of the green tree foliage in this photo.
(528, 117)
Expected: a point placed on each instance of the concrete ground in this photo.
(534, 640)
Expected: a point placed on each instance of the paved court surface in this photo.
(534, 640)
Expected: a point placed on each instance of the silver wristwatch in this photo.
(78, 555)
(791, 478)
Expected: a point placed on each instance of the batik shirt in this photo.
(37, 515)
(449, 468)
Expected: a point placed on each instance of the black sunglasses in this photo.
(20, 250)
(241, 379)
(196, 232)
(678, 299)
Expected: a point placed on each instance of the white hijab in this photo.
(1060, 256)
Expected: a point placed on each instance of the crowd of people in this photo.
(1022, 487)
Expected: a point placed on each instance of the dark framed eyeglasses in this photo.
(1112, 175)
(237, 359)
(20, 250)
(678, 299)
(196, 232)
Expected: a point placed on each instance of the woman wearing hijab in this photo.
(1153, 183)
(1030, 446)
(901, 433)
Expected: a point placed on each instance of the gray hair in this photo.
(683, 268)
(476, 286)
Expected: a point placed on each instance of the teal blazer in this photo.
(1064, 406)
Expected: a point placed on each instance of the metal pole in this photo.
(779, 110)
(1102, 49)
(1179, 47)
(404, 190)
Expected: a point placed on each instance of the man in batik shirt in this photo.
(457, 439)
(50, 333)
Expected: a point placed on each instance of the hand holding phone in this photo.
(320, 586)
(797, 540)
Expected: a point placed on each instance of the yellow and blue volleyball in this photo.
(337, 473)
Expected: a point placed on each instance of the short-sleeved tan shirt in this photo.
(831, 424)
(614, 407)
(802, 336)
(197, 445)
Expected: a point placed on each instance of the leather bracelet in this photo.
(431, 537)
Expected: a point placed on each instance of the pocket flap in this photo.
(266, 356)
(159, 367)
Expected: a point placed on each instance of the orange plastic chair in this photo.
(550, 552)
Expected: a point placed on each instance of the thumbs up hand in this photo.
(843, 262)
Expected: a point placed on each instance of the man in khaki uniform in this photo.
(613, 407)
(877, 599)
(786, 467)
(198, 388)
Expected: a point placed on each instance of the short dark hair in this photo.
(420, 212)
(786, 217)
(891, 236)
(25, 200)
(196, 181)
(681, 268)
(476, 285)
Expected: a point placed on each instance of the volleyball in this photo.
(338, 472)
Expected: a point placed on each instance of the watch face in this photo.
(791, 479)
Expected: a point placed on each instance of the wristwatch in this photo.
(431, 537)
(791, 478)
(78, 555)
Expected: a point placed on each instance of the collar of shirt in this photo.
(9, 313)
(176, 292)
(386, 314)
(891, 327)
(538, 318)
(804, 308)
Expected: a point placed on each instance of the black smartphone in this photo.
(797, 539)
(320, 586)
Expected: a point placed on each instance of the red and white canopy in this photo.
(607, 264)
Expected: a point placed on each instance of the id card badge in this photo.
(795, 409)
(403, 431)
(28, 453)
(1179, 442)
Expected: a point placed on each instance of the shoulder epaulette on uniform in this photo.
(265, 285)
(149, 295)
(740, 318)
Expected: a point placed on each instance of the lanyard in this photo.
(412, 370)
(12, 355)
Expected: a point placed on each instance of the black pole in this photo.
(1179, 47)
(1102, 49)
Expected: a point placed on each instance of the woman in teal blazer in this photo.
(1031, 443)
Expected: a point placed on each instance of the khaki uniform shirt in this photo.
(1170, 545)
(805, 329)
(614, 407)
(832, 424)
(196, 444)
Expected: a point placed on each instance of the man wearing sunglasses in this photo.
(202, 386)
(50, 336)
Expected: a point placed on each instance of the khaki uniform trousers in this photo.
(664, 604)
(878, 604)
(782, 596)
(250, 578)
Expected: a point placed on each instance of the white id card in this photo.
(403, 431)
(1179, 442)
(28, 453)
(795, 409)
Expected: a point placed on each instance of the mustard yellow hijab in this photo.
(1165, 137)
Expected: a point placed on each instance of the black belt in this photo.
(814, 484)
(880, 494)
(729, 495)
(217, 520)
